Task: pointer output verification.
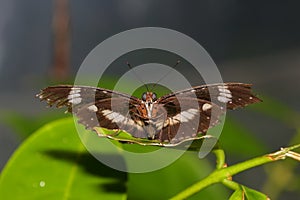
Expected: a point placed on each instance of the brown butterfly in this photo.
(169, 119)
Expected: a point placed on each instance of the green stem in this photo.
(220, 158)
(231, 184)
(221, 174)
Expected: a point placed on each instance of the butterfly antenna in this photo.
(135, 74)
(164, 76)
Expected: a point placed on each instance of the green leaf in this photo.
(53, 164)
(237, 195)
(24, 125)
(253, 194)
(247, 193)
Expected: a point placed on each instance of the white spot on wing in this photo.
(93, 108)
(75, 90)
(113, 116)
(71, 96)
(225, 95)
(74, 96)
(106, 112)
(223, 99)
(118, 118)
(75, 100)
(206, 106)
(228, 95)
(224, 89)
(185, 116)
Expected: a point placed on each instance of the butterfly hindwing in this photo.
(101, 114)
(186, 117)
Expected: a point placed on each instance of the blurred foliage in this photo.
(238, 140)
(279, 111)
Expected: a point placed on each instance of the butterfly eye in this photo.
(144, 96)
(154, 97)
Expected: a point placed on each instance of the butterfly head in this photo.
(148, 98)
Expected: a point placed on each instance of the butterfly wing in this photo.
(97, 107)
(233, 95)
(186, 117)
(185, 121)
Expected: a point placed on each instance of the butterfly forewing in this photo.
(232, 95)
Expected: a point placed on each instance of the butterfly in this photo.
(172, 118)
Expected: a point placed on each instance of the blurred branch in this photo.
(61, 55)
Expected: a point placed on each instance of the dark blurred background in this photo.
(255, 42)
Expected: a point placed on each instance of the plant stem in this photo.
(231, 184)
(221, 174)
(220, 158)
